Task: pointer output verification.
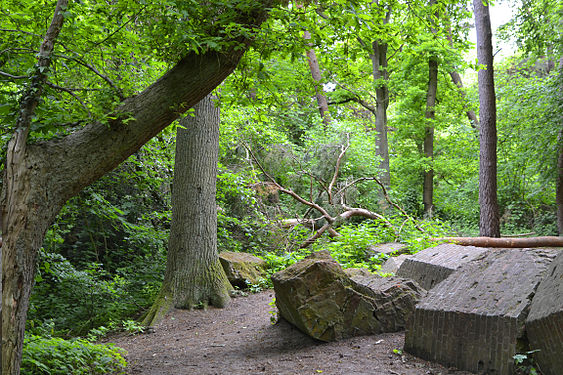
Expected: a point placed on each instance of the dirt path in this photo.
(241, 340)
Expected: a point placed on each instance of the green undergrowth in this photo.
(350, 249)
(58, 356)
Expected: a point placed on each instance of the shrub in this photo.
(78, 300)
(57, 356)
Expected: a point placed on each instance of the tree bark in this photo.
(559, 186)
(39, 178)
(24, 216)
(194, 276)
(428, 187)
(489, 223)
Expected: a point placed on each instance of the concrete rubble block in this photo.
(392, 264)
(320, 299)
(545, 321)
(430, 266)
(474, 319)
(242, 269)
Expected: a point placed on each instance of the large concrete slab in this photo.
(430, 266)
(474, 319)
(545, 321)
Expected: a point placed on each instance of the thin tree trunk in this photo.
(25, 216)
(194, 276)
(489, 224)
(429, 115)
(315, 69)
(471, 116)
(428, 188)
(317, 77)
(456, 79)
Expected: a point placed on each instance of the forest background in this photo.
(103, 259)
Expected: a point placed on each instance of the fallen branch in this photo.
(332, 222)
(547, 241)
(352, 211)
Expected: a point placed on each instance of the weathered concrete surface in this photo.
(392, 264)
(318, 297)
(242, 269)
(430, 266)
(389, 248)
(474, 319)
(545, 321)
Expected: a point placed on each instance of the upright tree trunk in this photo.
(559, 188)
(489, 224)
(428, 188)
(429, 115)
(559, 185)
(25, 215)
(194, 275)
(380, 78)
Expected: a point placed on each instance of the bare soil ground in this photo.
(240, 339)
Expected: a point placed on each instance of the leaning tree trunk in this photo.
(489, 223)
(26, 209)
(428, 187)
(456, 79)
(315, 69)
(317, 77)
(194, 275)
